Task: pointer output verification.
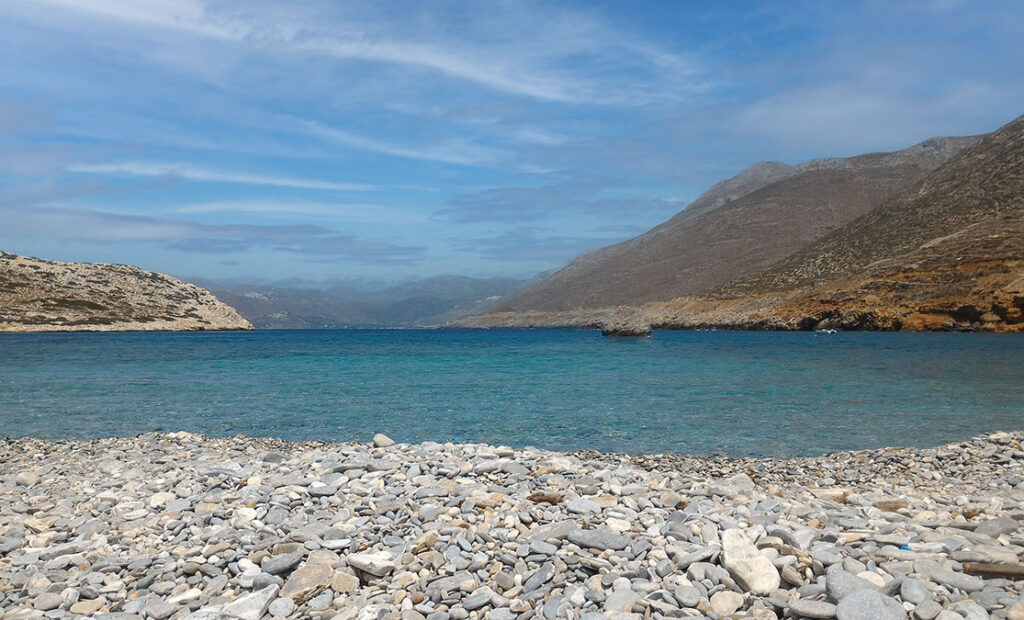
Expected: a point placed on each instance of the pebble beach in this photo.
(186, 526)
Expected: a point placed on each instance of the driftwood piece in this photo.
(995, 571)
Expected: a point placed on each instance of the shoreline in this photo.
(178, 525)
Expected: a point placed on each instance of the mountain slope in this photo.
(947, 253)
(428, 302)
(46, 295)
(737, 228)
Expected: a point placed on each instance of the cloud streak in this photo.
(522, 204)
(459, 152)
(189, 236)
(194, 173)
(502, 71)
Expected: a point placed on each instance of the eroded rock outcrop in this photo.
(46, 295)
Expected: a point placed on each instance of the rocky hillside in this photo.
(945, 253)
(46, 295)
(739, 227)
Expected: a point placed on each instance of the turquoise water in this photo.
(737, 393)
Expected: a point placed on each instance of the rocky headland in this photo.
(47, 295)
(185, 526)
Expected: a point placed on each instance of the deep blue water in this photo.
(738, 393)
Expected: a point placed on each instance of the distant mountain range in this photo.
(48, 295)
(930, 237)
(429, 302)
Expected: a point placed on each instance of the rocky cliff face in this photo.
(947, 252)
(46, 295)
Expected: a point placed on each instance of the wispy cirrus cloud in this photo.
(366, 213)
(194, 173)
(91, 225)
(450, 151)
(521, 204)
(494, 62)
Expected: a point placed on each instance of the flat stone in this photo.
(752, 570)
(812, 609)
(913, 591)
(282, 563)
(927, 610)
(281, 607)
(89, 607)
(687, 596)
(558, 530)
(378, 564)
(598, 539)
(158, 610)
(250, 606)
(960, 581)
(869, 605)
(47, 601)
(726, 602)
(540, 577)
(582, 506)
(620, 600)
(839, 584)
(344, 583)
(315, 573)
(997, 527)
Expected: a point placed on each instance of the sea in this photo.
(713, 393)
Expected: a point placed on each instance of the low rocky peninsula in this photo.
(186, 526)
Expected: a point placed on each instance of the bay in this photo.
(734, 393)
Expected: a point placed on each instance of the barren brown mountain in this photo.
(47, 295)
(737, 228)
(946, 253)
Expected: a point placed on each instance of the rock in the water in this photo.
(382, 441)
(752, 570)
(869, 605)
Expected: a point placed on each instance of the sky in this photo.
(329, 140)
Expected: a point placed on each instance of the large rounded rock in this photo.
(753, 571)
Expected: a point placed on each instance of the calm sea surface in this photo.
(731, 393)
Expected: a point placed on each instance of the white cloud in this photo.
(355, 213)
(524, 63)
(192, 173)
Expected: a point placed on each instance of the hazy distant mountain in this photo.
(820, 248)
(429, 302)
(739, 227)
(48, 295)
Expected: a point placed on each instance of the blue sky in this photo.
(332, 140)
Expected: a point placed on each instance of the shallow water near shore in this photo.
(735, 393)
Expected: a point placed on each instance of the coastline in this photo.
(180, 525)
